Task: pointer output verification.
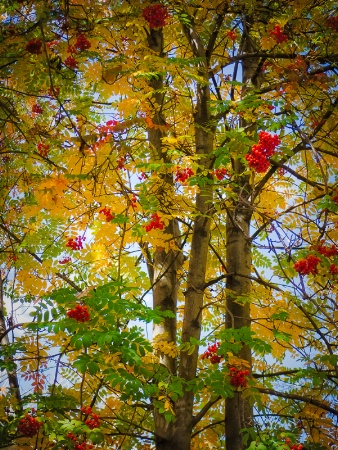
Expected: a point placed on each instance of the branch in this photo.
(298, 175)
(212, 424)
(4, 334)
(37, 258)
(204, 410)
(287, 372)
(310, 400)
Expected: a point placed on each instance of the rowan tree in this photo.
(169, 224)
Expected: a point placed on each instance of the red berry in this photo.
(71, 62)
(332, 22)
(79, 313)
(107, 213)
(156, 15)
(232, 35)
(65, 260)
(82, 43)
(278, 34)
(183, 174)
(155, 223)
(211, 353)
(220, 174)
(34, 46)
(238, 378)
(75, 244)
(29, 426)
(43, 149)
(258, 158)
(37, 109)
(308, 265)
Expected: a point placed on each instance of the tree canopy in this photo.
(168, 236)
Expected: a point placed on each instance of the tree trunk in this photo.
(11, 374)
(163, 267)
(239, 412)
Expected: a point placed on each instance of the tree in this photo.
(183, 152)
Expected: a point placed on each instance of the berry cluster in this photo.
(155, 223)
(258, 158)
(156, 15)
(77, 446)
(220, 174)
(327, 250)
(65, 260)
(335, 197)
(183, 174)
(93, 421)
(43, 149)
(293, 446)
(37, 109)
(332, 22)
(333, 269)
(133, 201)
(142, 176)
(278, 34)
(211, 353)
(75, 244)
(82, 43)
(71, 62)
(107, 213)
(29, 426)
(120, 163)
(231, 35)
(79, 313)
(307, 265)
(238, 378)
(34, 46)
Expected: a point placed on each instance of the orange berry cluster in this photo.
(77, 446)
(258, 158)
(293, 446)
(93, 421)
(155, 223)
(75, 244)
(79, 313)
(43, 149)
(211, 353)
(29, 426)
(156, 15)
(183, 174)
(278, 34)
(34, 46)
(307, 265)
(238, 378)
(107, 213)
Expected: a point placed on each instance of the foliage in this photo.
(139, 143)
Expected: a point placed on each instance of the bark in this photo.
(163, 270)
(178, 435)
(239, 413)
(11, 374)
